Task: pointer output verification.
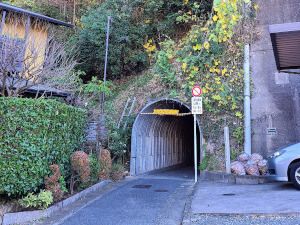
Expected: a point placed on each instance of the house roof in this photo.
(37, 88)
(33, 14)
(286, 45)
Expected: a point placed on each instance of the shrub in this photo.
(52, 183)
(40, 201)
(35, 133)
(95, 168)
(105, 164)
(80, 166)
(134, 23)
(117, 172)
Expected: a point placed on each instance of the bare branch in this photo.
(38, 59)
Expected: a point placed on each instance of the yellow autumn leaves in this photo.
(227, 15)
(198, 47)
(150, 46)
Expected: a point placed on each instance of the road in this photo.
(152, 199)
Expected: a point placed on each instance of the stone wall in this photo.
(275, 98)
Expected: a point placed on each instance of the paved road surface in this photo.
(153, 199)
(216, 203)
(244, 220)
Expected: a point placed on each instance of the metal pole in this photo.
(247, 112)
(105, 61)
(227, 149)
(202, 153)
(106, 48)
(2, 21)
(195, 147)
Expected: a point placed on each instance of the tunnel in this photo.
(162, 141)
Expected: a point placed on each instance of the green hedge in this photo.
(35, 133)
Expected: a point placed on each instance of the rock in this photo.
(244, 157)
(263, 167)
(252, 168)
(256, 157)
(237, 168)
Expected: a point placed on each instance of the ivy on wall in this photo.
(211, 55)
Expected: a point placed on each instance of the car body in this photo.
(284, 164)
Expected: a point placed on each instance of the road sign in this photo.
(197, 105)
(196, 91)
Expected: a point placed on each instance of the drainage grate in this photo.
(229, 194)
(161, 190)
(142, 186)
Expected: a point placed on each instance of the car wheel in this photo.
(295, 174)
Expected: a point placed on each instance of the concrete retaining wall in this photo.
(233, 179)
(275, 100)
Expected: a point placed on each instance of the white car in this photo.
(284, 165)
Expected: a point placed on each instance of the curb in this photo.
(186, 219)
(283, 214)
(28, 216)
(233, 179)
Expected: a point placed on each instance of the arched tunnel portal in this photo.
(162, 141)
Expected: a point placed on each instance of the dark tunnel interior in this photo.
(162, 141)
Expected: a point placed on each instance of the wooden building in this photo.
(28, 31)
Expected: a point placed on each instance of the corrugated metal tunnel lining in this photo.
(161, 141)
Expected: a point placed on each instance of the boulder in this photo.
(244, 157)
(263, 167)
(256, 157)
(237, 168)
(252, 168)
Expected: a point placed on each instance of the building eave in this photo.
(15, 9)
(285, 40)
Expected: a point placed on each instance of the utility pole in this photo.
(74, 12)
(247, 109)
(106, 47)
(106, 59)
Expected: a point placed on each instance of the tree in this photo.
(126, 40)
(23, 64)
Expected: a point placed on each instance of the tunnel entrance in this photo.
(162, 141)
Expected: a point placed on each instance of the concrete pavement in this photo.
(220, 198)
(151, 199)
(214, 203)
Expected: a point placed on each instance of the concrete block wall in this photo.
(275, 99)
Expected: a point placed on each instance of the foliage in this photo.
(80, 168)
(105, 164)
(96, 86)
(118, 141)
(52, 182)
(63, 185)
(92, 90)
(238, 134)
(117, 171)
(80, 165)
(211, 55)
(59, 9)
(204, 164)
(124, 55)
(163, 67)
(40, 201)
(95, 167)
(133, 22)
(34, 134)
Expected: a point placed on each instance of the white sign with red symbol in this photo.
(197, 106)
(196, 91)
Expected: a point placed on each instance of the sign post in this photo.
(196, 110)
